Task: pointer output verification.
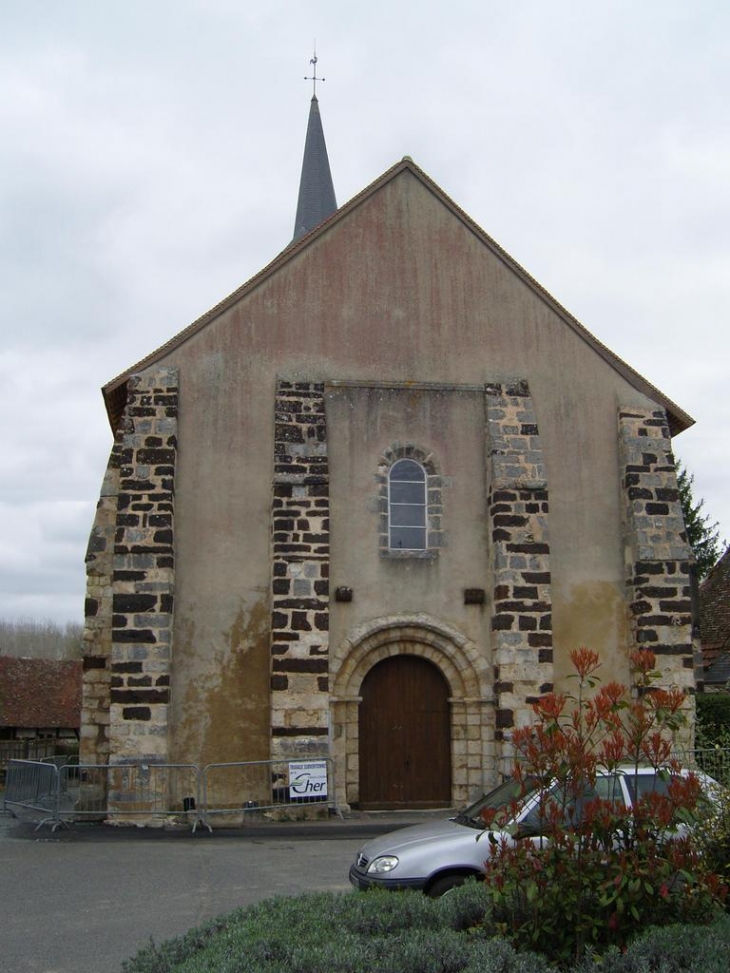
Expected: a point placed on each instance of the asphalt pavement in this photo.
(84, 898)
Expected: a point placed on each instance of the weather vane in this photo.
(314, 79)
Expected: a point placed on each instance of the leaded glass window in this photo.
(407, 506)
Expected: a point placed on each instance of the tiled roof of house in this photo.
(715, 619)
(40, 693)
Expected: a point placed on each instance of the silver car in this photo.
(440, 855)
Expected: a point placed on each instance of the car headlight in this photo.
(386, 863)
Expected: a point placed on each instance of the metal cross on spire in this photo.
(314, 79)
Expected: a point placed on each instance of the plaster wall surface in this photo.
(400, 291)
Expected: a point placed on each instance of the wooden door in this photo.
(405, 735)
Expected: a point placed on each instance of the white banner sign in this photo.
(308, 778)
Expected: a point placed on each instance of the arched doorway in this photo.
(405, 735)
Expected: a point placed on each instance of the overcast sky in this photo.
(150, 153)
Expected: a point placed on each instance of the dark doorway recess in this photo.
(405, 735)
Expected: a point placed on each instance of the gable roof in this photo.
(40, 693)
(114, 392)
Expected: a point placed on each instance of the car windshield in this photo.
(496, 808)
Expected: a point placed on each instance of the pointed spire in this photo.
(316, 190)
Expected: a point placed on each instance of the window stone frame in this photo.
(435, 482)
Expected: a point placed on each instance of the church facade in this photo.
(366, 506)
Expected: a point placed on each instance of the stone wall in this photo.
(522, 637)
(131, 571)
(97, 638)
(657, 556)
(300, 573)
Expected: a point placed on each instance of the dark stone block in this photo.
(657, 509)
(502, 623)
(134, 604)
(659, 591)
(545, 655)
(313, 665)
(93, 662)
(91, 607)
(679, 605)
(539, 639)
(133, 696)
(136, 635)
(649, 567)
(641, 607)
(160, 520)
(300, 622)
(505, 520)
(129, 576)
(97, 544)
(299, 731)
(529, 593)
(528, 548)
(640, 493)
(322, 621)
(127, 520)
(504, 719)
(138, 713)
(126, 667)
(279, 683)
(139, 681)
(536, 577)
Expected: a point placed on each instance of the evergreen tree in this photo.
(703, 535)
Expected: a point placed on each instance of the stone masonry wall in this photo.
(300, 573)
(658, 557)
(97, 639)
(522, 635)
(131, 572)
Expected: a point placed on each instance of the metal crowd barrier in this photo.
(32, 791)
(43, 792)
(714, 761)
(126, 792)
(236, 791)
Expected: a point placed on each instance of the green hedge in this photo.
(403, 933)
(713, 710)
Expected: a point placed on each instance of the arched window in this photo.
(407, 506)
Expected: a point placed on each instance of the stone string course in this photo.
(522, 636)
(131, 573)
(658, 557)
(300, 573)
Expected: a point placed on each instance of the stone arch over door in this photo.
(463, 667)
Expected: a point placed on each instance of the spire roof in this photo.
(316, 192)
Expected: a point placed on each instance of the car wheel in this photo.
(444, 884)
